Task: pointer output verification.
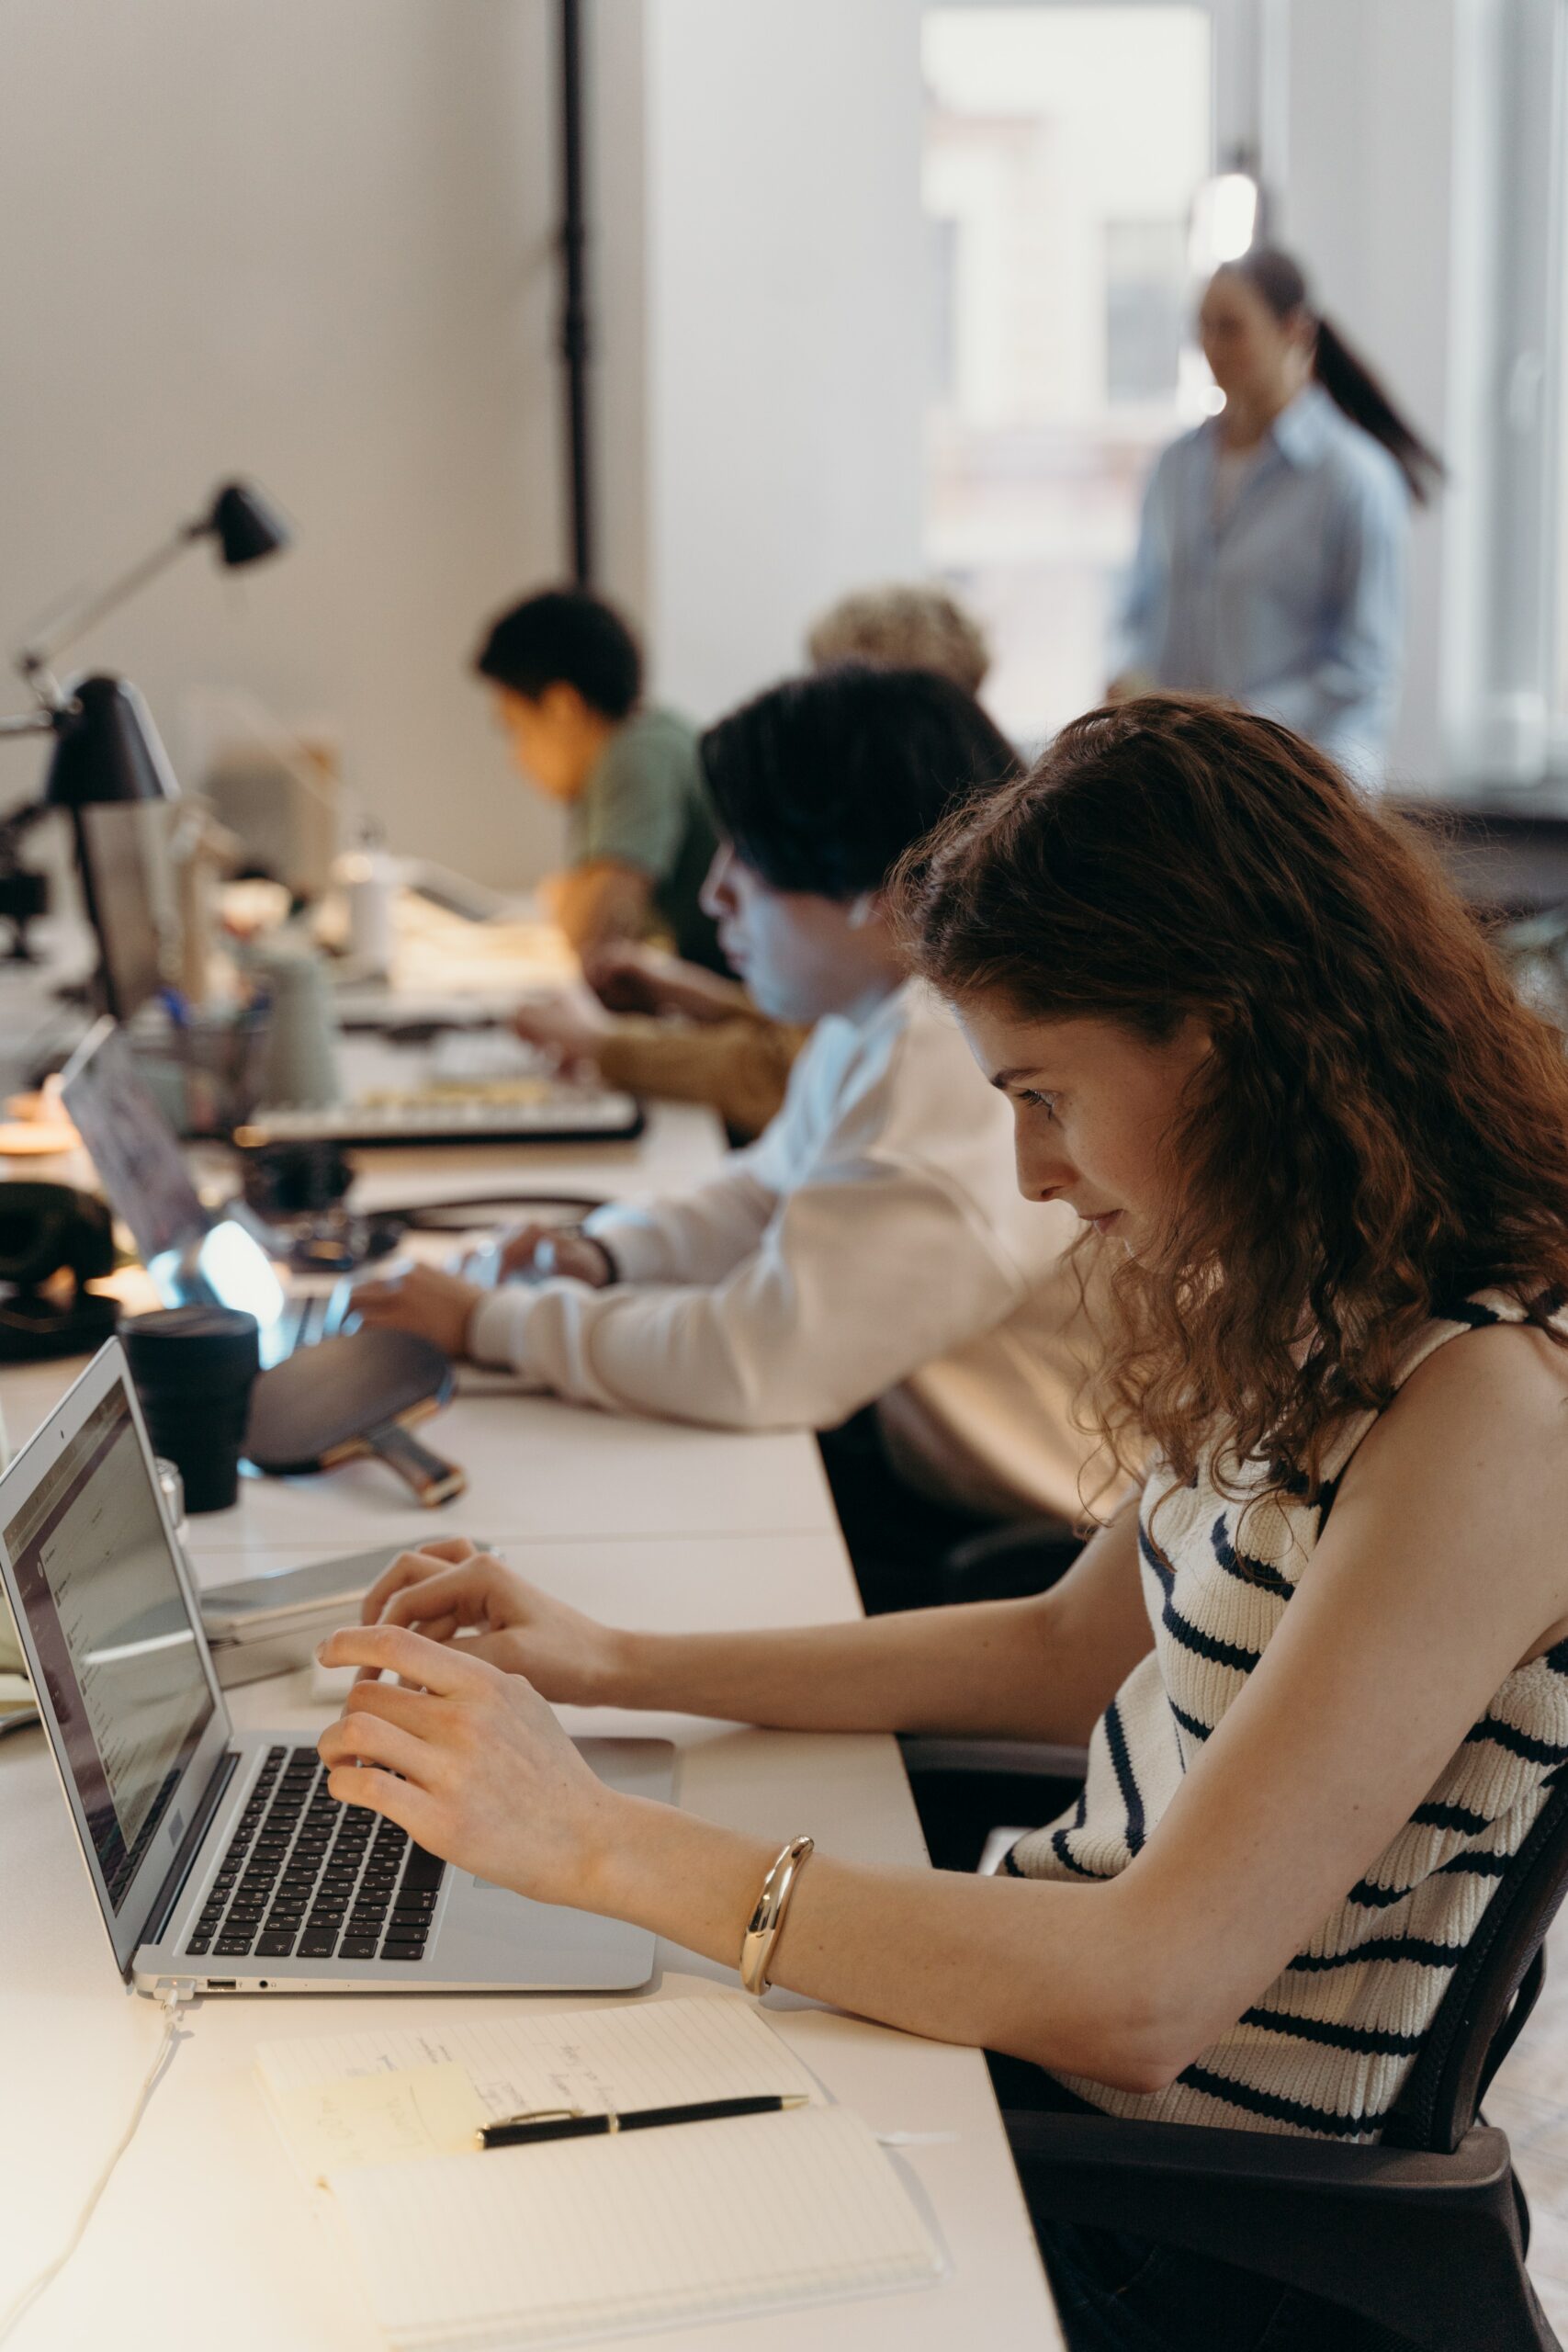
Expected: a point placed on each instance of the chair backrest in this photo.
(1492, 1992)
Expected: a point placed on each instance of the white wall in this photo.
(785, 308)
(309, 240)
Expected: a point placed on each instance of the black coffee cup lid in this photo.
(187, 1343)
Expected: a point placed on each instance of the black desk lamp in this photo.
(244, 528)
(106, 748)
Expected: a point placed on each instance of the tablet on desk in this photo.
(271, 1624)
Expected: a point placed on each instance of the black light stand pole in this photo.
(574, 303)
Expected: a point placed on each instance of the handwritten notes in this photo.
(346, 2120)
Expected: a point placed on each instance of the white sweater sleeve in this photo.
(863, 1273)
(695, 1236)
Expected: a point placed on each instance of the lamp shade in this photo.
(244, 524)
(106, 749)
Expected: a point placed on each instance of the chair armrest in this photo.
(1412, 2240)
(964, 1789)
(1113, 2148)
(1022, 1760)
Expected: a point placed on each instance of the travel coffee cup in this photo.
(194, 1369)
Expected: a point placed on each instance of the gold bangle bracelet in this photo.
(767, 1920)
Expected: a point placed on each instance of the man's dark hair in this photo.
(822, 783)
(564, 637)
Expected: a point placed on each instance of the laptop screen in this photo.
(192, 1259)
(125, 855)
(131, 1145)
(112, 1634)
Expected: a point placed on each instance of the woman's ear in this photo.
(1301, 330)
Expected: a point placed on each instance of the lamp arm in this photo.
(35, 662)
(28, 722)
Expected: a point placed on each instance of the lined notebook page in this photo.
(637, 2053)
(544, 2246)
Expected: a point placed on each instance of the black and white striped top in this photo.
(1325, 2050)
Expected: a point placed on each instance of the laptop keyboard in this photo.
(306, 1877)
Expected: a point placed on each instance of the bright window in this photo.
(1063, 147)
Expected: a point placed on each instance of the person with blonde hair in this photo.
(904, 626)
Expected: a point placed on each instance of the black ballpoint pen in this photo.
(570, 2123)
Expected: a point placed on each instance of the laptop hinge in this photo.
(180, 1868)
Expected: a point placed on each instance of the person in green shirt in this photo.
(566, 676)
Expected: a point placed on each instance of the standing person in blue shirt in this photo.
(1272, 554)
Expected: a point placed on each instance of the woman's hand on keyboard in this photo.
(427, 1301)
(451, 1593)
(471, 1761)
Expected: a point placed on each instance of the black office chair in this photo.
(963, 1787)
(1426, 2232)
(1006, 1562)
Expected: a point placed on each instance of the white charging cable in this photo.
(173, 1999)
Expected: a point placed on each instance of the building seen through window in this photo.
(1063, 149)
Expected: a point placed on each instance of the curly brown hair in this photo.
(1382, 1128)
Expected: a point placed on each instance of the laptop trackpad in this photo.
(489, 1934)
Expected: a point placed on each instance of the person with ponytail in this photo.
(1272, 554)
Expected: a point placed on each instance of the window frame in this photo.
(1511, 466)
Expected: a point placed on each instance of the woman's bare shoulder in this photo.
(1471, 1461)
(1504, 1373)
(1479, 1429)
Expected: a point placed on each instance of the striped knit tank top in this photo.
(1325, 2050)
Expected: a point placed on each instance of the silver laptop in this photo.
(194, 1257)
(219, 1859)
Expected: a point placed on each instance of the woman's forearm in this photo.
(977, 1668)
(1043, 1668)
(1047, 1972)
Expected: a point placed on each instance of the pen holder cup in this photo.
(299, 1065)
(205, 1078)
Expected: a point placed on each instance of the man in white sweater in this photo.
(871, 1247)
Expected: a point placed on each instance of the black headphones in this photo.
(44, 1228)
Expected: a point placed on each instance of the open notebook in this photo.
(580, 2238)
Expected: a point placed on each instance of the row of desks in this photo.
(204, 2237)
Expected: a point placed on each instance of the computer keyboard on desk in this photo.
(524, 1112)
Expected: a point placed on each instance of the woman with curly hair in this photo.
(1253, 1039)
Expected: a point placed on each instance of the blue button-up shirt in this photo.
(1295, 602)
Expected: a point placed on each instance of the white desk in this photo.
(204, 2238)
(537, 1468)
